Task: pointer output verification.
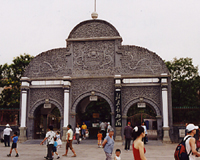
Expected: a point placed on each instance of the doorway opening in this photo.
(147, 114)
(44, 117)
(93, 112)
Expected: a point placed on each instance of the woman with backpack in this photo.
(138, 144)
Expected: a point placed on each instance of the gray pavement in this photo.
(87, 150)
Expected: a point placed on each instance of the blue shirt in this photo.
(15, 139)
(55, 144)
(108, 148)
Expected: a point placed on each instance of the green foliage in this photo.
(182, 69)
(185, 87)
(10, 80)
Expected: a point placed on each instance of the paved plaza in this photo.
(87, 150)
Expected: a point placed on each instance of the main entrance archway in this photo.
(93, 110)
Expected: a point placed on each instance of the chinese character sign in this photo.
(118, 115)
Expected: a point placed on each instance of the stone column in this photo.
(166, 138)
(66, 87)
(23, 104)
(118, 108)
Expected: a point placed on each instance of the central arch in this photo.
(84, 96)
(73, 109)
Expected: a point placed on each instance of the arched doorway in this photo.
(44, 116)
(136, 115)
(150, 113)
(93, 112)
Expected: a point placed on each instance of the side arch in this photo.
(31, 116)
(155, 107)
(42, 101)
(75, 104)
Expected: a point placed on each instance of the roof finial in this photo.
(94, 14)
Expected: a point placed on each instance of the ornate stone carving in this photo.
(149, 93)
(93, 58)
(45, 93)
(82, 86)
(52, 63)
(136, 60)
(93, 28)
(73, 109)
(42, 101)
(153, 105)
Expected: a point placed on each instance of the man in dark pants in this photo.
(6, 135)
(50, 142)
(128, 135)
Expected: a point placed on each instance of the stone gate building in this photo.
(95, 63)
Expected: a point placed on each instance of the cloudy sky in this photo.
(171, 28)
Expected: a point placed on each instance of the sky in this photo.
(170, 28)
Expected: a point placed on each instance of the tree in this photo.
(185, 86)
(182, 69)
(10, 81)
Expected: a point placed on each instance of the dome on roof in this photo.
(93, 29)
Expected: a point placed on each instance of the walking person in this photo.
(145, 131)
(103, 129)
(138, 145)
(14, 145)
(99, 137)
(69, 138)
(58, 139)
(83, 129)
(55, 148)
(108, 144)
(50, 142)
(128, 130)
(78, 133)
(108, 128)
(6, 135)
(190, 142)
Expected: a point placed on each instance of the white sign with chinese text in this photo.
(141, 105)
(93, 98)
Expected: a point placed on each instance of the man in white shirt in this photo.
(69, 138)
(50, 142)
(190, 143)
(145, 131)
(103, 129)
(6, 135)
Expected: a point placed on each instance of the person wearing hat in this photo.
(128, 130)
(190, 142)
(6, 135)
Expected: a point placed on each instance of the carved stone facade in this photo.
(93, 28)
(130, 94)
(92, 59)
(80, 87)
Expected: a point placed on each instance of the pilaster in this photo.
(166, 128)
(118, 108)
(23, 115)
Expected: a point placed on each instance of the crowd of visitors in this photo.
(137, 134)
